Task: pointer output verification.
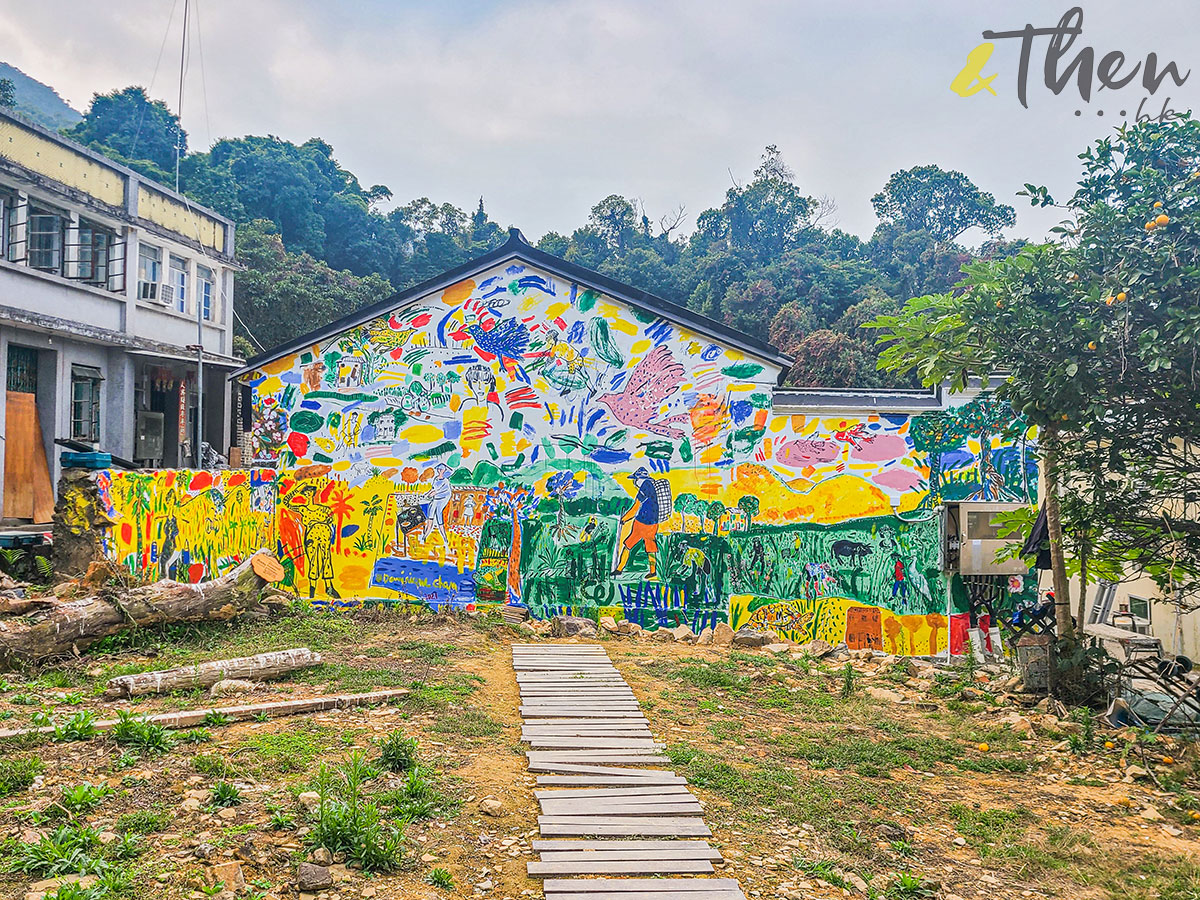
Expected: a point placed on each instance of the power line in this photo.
(137, 133)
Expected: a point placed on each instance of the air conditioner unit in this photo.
(972, 539)
(166, 294)
(148, 290)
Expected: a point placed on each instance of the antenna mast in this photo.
(179, 109)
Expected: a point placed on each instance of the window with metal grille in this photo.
(85, 403)
(149, 271)
(22, 369)
(205, 288)
(93, 253)
(45, 241)
(179, 281)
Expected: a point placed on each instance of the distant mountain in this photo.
(38, 101)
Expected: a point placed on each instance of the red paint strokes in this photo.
(236, 479)
(298, 443)
(421, 320)
(560, 323)
(397, 353)
(523, 397)
(324, 495)
(195, 572)
(200, 481)
(126, 533)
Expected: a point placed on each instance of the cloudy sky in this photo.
(546, 106)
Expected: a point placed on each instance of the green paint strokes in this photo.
(340, 397)
(742, 370)
(685, 451)
(322, 458)
(659, 449)
(515, 421)
(760, 401)
(587, 300)
(642, 316)
(306, 421)
(602, 343)
(434, 452)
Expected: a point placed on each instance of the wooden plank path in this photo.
(611, 814)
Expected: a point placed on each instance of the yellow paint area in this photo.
(188, 221)
(61, 163)
(457, 293)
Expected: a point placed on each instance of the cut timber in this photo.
(66, 627)
(253, 668)
(267, 568)
(192, 717)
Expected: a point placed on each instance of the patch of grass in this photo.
(436, 696)
(417, 799)
(434, 654)
(225, 794)
(69, 849)
(440, 878)
(911, 887)
(468, 723)
(127, 846)
(213, 765)
(824, 869)
(348, 823)
(80, 727)
(849, 681)
(214, 719)
(18, 773)
(398, 753)
(142, 821)
(81, 798)
(195, 736)
(141, 733)
(289, 751)
(281, 821)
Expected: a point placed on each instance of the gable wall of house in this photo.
(482, 444)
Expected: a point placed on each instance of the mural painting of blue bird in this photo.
(507, 339)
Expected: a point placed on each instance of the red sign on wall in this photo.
(182, 410)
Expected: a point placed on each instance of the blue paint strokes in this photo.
(501, 289)
(441, 327)
(741, 410)
(533, 456)
(574, 291)
(895, 420)
(536, 281)
(349, 530)
(461, 360)
(576, 333)
(310, 404)
(711, 352)
(452, 429)
(659, 331)
(425, 581)
(488, 281)
(514, 270)
(609, 455)
(290, 378)
(368, 434)
(594, 418)
(257, 381)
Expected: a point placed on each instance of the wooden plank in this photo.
(556, 766)
(585, 728)
(644, 776)
(664, 894)
(664, 821)
(603, 780)
(589, 805)
(540, 845)
(652, 790)
(707, 853)
(620, 867)
(551, 713)
(627, 885)
(592, 742)
(622, 829)
(620, 811)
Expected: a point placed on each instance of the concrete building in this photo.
(110, 283)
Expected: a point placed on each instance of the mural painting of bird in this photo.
(655, 378)
(507, 339)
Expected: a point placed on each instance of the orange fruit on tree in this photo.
(1158, 204)
(1108, 301)
(1121, 295)
(1162, 220)
(1091, 345)
(1149, 226)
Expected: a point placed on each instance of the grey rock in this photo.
(311, 877)
(573, 626)
(817, 648)
(722, 635)
(752, 637)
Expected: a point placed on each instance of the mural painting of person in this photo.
(439, 498)
(652, 505)
(899, 585)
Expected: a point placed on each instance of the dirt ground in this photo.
(887, 782)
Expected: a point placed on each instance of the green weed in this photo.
(18, 773)
(440, 878)
(225, 794)
(398, 753)
(141, 733)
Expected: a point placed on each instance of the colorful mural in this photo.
(188, 526)
(519, 438)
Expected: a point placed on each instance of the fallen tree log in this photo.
(254, 668)
(65, 627)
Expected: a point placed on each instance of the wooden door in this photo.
(28, 493)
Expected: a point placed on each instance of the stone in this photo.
(817, 648)
(752, 637)
(705, 637)
(107, 837)
(311, 877)
(885, 695)
(368, 891)
(1151, 814)
(309, 800)
(485, 885)
(573, 626)
(722, 635)
(227, 812)
(322, 857)
(960, 842)
(777, 648)
(228, 686)
(428, 858)
(664, 635)
(609, 624)
(684, 634)
(84, 881)
(229, 875)
(191, 804)
(490, 806)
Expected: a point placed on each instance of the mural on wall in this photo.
(184, 525)
(520, 439)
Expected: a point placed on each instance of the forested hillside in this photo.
(766, 261)
(38, 101)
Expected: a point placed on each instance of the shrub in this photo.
(141, 733)
(18, 772)
(66, 850)
(440, 878)
(80, 727)
(398, 753)
(225, 794)
(347, 823)
(82, 798)
(142, 821)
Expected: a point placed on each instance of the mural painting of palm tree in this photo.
(516, 503)
(563, 486)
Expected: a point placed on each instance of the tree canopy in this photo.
(133, 129)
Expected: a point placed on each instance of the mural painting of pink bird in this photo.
(652, 381)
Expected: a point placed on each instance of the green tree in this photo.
(714, 511)
(748, 504)
(8, 93)
(133, 129)
(1097, 334)
(935, 434)
(945, 204)
(684, 504)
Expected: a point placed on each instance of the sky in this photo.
(545, 108)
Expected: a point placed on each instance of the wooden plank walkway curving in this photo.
(610, 814)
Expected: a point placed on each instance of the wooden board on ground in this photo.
(629, 885)
(709, 854)
(542, 845)
(664, 893)
(602, 793)
(623, 829)
(620, 867)
(618, 811)
(603, 780)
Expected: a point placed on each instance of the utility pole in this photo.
(179, 109)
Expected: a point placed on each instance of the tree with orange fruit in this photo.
(1095, 338)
